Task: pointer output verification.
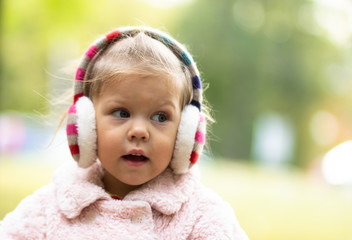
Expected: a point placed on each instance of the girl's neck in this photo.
(116, 187)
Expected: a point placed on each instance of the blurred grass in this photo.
(269, 204)
(277, 204)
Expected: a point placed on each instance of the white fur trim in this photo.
(87, 135)
(185, 139)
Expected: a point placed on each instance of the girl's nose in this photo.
(138, 131)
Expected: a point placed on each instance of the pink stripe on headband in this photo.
(72, 109)
(112, 35)
(80, 74)
(71, 129)
(200, 137)
(91, 52)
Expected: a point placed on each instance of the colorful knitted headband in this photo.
(101, 45)
(119, 34)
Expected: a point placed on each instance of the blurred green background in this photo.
(279, 75)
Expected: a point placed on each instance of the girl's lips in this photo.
(133, 161)
(135, 158)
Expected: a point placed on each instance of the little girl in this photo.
(135, 128)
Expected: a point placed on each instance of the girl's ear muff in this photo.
(81, 125)
(189, 141)
(81, 132)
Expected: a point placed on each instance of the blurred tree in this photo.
(31, 29)
(257, 59)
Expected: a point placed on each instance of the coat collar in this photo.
(167, 192)
(77, 188)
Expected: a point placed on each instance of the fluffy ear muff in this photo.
(87, 134)
(185, 140)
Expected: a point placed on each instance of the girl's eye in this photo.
(160, 117)
(121, 113)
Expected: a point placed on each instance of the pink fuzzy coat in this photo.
(75, 206)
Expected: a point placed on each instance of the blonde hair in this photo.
(138, 55)
(142, 55)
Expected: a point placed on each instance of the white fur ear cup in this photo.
(185, 139)
(87, 134)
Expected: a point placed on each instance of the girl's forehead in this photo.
(167, 83)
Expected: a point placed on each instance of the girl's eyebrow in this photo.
(162, 103)
(169, 103)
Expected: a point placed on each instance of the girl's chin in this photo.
(133, 181)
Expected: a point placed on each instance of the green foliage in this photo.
(31, 29)
(257, 59)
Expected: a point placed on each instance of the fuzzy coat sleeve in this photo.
(28, 220)
(216, 220)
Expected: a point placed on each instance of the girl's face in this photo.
(137, 121)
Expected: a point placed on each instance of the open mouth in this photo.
(135, 157)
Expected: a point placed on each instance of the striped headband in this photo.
(102, 43)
